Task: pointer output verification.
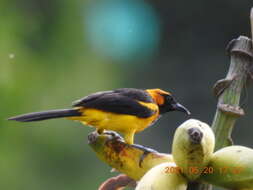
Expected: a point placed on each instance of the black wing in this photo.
(89, 98)
(137, 94)
(121, 101)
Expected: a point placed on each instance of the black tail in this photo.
(38, 116)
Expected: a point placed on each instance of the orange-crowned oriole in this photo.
(125, 110)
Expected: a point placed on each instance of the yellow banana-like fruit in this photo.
(132, 160)
(164, 176)
(231, 167)
(192, 147)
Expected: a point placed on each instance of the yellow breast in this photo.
(116, 122)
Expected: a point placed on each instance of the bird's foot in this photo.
(109, 135)
(113, 135)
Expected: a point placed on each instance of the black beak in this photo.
(181, 108)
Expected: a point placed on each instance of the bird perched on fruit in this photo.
(124, 110)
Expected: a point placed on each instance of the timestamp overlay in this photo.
(205, 170)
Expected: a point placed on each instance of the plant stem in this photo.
(228, 109)
(229, 92)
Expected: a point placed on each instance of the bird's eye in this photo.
(169, 98)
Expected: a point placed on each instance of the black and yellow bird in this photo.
(125, 110)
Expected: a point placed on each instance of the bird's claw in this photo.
(113, 135)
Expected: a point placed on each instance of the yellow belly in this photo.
(116, 122)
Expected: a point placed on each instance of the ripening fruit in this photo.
(125, 158)
(164, 176)
(232, 168)
(192, 147)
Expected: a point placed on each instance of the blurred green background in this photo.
(54, 52)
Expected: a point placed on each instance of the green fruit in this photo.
(232, 168)
(164, 176)
(193, 145)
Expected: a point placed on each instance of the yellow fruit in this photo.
(193, 145)
(162, 177)
(232, 168)
(128, 159)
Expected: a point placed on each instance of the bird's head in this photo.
(166, 102)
